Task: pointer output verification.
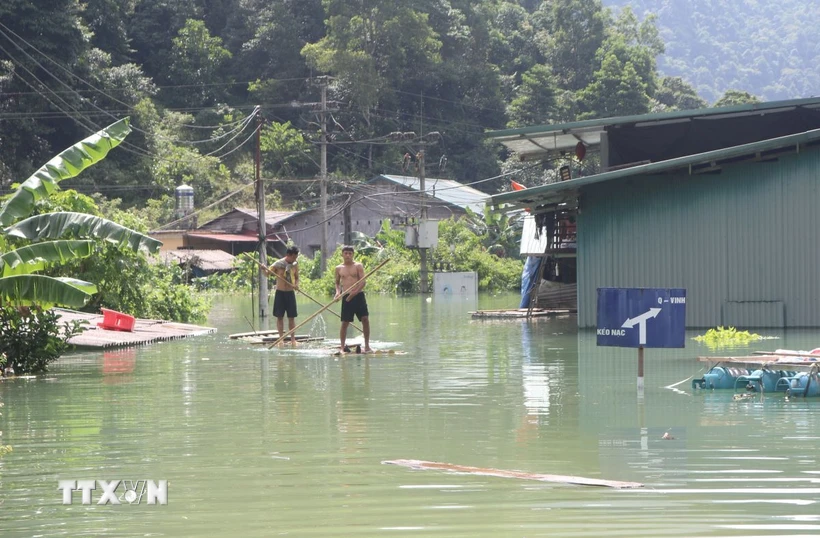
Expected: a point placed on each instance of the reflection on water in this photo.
(259, 442)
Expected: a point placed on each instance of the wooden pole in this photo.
(265, 267)
(640, 371)
(328, 305)
(262, 227)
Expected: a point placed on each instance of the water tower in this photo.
(184, 195)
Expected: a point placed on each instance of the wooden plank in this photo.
(269, 339)
(787, 354)
(273, 336)
(338, 353)
(255, 333)
(482, 471)
(145, 331)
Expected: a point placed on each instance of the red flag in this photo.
(517, 186)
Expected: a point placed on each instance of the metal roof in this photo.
(208, 260)
(566, 192)
(225, 237)
(237, 238)
(446, 190)
(534, 142)
(271, 217)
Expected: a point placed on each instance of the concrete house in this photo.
(385, 197)
(721, 202)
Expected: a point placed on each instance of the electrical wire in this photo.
(94, 88)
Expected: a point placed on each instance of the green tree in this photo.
(675, 94)
(627, 78)
(513, 45)
(55, 29)
(285, 152)
(535, 101)
(267, 39)
(736, 97)
(196, 60)
(152, 27)
(371, 45)
(571, 40)
(618, 90)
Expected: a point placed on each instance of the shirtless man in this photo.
(353, 301)
(284, 301)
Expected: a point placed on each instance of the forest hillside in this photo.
(769, 49)
(199, 78)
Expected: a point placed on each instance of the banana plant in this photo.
(61, 236)
(499, 233)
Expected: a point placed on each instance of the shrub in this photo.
(32, 338)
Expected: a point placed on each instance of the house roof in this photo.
(271, 217)
(207, 260)
(235, 238)
(446, 190)
(566, 192)
(535, 142)
(226, 237)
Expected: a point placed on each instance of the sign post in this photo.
(641, 318)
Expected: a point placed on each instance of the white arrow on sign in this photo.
(640, 321)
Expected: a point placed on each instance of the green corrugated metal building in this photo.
(723, 202)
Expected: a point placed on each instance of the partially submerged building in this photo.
(396, 199)
(718, 201)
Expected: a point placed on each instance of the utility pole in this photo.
(422, 223)
(262, 226)
(323, 179)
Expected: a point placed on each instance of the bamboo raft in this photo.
(482, 471)
(302, 339)
(521, 313)
(359, 352)
(145, 331)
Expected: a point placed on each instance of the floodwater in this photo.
(257, 443)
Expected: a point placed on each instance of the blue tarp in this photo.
(528, 277)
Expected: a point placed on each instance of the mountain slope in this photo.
(770, 49)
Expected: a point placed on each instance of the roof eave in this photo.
(553, 192)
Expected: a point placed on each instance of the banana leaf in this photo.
(80, 225)
(45, 291)
(33, 258)
(66, 165)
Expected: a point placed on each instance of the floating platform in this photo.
(792, 372)
(767, 359)
(144, 331)
(356, 351)
(522, 313)
(301, 338)
(522, 475)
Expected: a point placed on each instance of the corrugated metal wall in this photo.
(743, 242)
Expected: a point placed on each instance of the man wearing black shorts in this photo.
(284, 300)
(349, 288)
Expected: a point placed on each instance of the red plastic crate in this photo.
(116, 321)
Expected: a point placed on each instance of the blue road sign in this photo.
(641, 317)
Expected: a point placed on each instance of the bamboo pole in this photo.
(328, 305)
(265, 267)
